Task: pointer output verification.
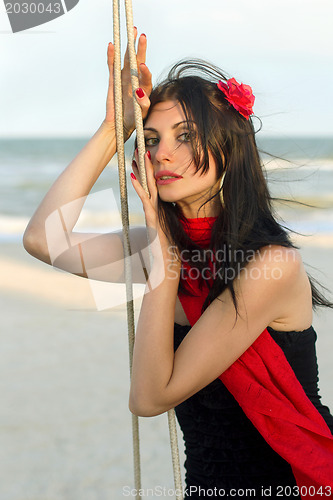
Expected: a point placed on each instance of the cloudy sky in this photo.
(54, 77)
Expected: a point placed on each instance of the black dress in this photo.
(226, 456)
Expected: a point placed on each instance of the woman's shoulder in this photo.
(276, 261)
(282, 273)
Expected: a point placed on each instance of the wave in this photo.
(12, 227)
(296, 217)
(299, 163)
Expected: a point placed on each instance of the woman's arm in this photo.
(272, 288)
(72, 186)
(49, 235)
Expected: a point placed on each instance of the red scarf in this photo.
(265, 386)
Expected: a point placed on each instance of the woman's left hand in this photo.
(150, 204)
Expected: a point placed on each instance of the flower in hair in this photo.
(240, 96)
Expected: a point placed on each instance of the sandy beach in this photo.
(65, 427)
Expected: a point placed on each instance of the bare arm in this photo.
(162, 379)
(273, 289)
(49, 235)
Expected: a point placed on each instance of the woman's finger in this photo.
(110, 57)
(142, 49)
(145, 80)
(140, 191)
(126, 58)
(110, 62)
(143, 101)
(110, 95)
(151, 181)
(149, 169)
(148, 204)
(135, 169)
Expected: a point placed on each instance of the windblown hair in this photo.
(246, 222)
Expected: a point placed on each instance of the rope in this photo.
(119, 122)
(135, 84)
(124, 213)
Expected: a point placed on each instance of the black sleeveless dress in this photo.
(226, 456)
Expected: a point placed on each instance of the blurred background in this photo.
(64, 422)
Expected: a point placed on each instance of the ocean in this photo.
(298, 168)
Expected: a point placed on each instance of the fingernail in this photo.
(133, 176)
(149, 155)
(140, 93)
(142, 34)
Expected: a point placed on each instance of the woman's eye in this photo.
(185, 137)
(151, 141)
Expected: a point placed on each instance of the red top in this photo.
(265, 386)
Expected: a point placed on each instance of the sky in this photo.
(54, 77)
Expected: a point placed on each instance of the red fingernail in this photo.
(142, 34)
(133, 176)
(149, 155)
(140, 93)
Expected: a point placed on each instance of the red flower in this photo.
(240, 96)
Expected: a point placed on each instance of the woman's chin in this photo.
(168, 198)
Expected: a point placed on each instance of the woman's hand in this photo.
(145, 84)
(161, 244)
(149, 203)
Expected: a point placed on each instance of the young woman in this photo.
(224, 333)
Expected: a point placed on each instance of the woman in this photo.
(229, 307)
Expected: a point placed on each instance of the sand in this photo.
(65, 427)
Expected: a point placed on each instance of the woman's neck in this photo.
(192, 212)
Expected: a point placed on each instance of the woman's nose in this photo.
(164, 151)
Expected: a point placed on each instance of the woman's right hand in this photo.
(145, 83)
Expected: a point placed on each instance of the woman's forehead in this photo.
(167, 111)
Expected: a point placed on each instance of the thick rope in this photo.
(125, 222)
(141, 151)
(135, 84)
(122, 182)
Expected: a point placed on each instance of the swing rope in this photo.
(119, 122)
(125, 222)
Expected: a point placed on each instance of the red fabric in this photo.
(199, 230)
(265, 386)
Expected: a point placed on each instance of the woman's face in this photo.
(167, 137)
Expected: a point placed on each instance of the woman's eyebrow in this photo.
(151, 129)
(187, 122)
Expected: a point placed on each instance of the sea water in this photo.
(297, 168)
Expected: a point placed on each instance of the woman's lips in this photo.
(166, 177)
(162, 181)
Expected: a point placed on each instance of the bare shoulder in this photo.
(283, 274)
(283, 263)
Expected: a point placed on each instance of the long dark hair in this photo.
(247, 221)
